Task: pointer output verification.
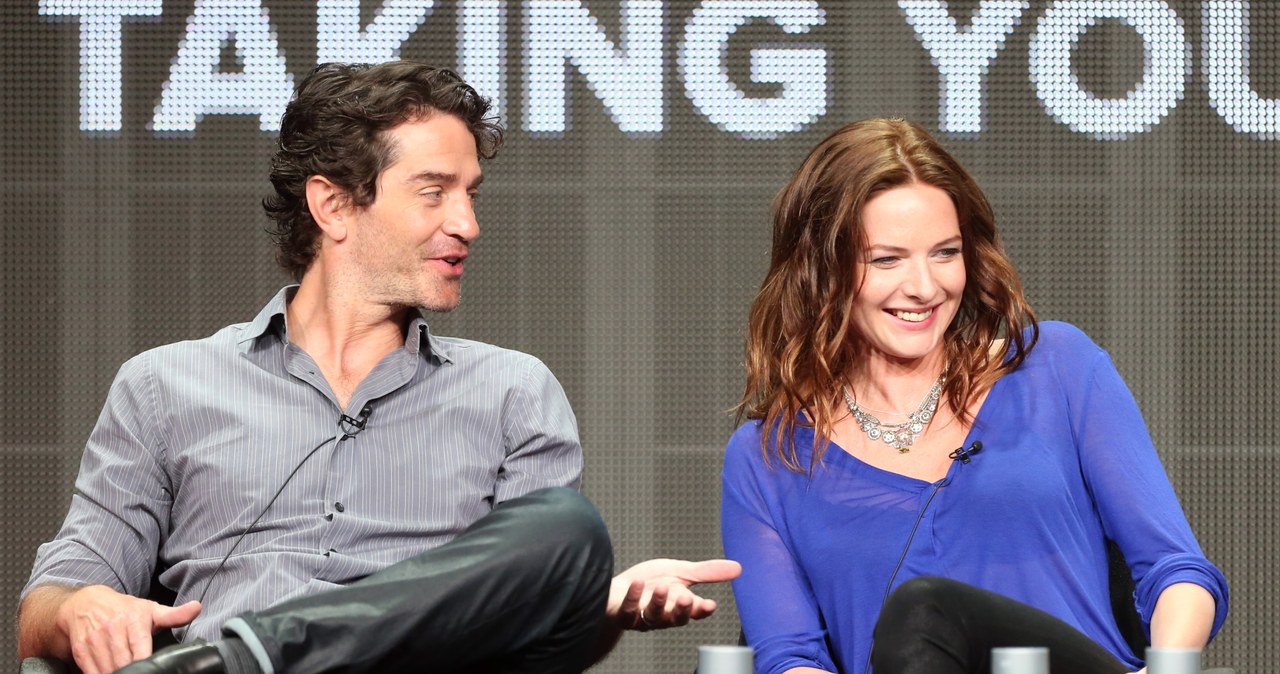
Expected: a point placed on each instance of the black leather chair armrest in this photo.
(46, 666)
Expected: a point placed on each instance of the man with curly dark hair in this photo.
(437, 527)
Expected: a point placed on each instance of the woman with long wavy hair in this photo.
(927, 472)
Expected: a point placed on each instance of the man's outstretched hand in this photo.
(656, 594)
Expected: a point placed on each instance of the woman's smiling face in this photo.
(912, 274)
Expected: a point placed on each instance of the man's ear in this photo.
(330, 206)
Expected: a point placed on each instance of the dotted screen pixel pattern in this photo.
(1130, 150)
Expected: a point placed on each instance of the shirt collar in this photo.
(436, 347)
(271, 320)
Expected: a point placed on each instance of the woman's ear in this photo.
(330, 205)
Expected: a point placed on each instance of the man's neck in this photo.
(343, 332)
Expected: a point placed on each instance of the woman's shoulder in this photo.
(742, 454)
(1063, 353)
(745, 438)
(1063, 341)
(746, 447)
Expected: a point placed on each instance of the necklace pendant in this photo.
(898, 436)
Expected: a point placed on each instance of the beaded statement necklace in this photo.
(898, 436)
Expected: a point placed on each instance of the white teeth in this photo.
(913, 316)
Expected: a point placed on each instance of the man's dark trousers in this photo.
(521, 590)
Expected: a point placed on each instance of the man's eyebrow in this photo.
(433, 177)
(443, 178)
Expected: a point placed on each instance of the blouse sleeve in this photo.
(775, 602)
(1135, 499)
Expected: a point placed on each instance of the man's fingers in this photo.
(712, 571)
(174, 616)
(653, 609)
(682, 610)
(631, 600)
(628, 613)
(117, 638)
(657, 604)
(95, 654)
(659, 596)
(657, 609)
(139, 637)
(81, 658)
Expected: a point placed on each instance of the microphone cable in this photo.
(960, 454)
(349, 427)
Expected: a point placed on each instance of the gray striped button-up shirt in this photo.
(196, 437)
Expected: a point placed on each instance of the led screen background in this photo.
(1130, 150)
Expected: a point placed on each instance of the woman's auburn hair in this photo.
(801, 345)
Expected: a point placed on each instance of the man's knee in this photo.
(559, 516)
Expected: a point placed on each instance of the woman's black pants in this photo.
(933, 625)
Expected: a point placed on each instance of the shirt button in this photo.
(339, 507)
